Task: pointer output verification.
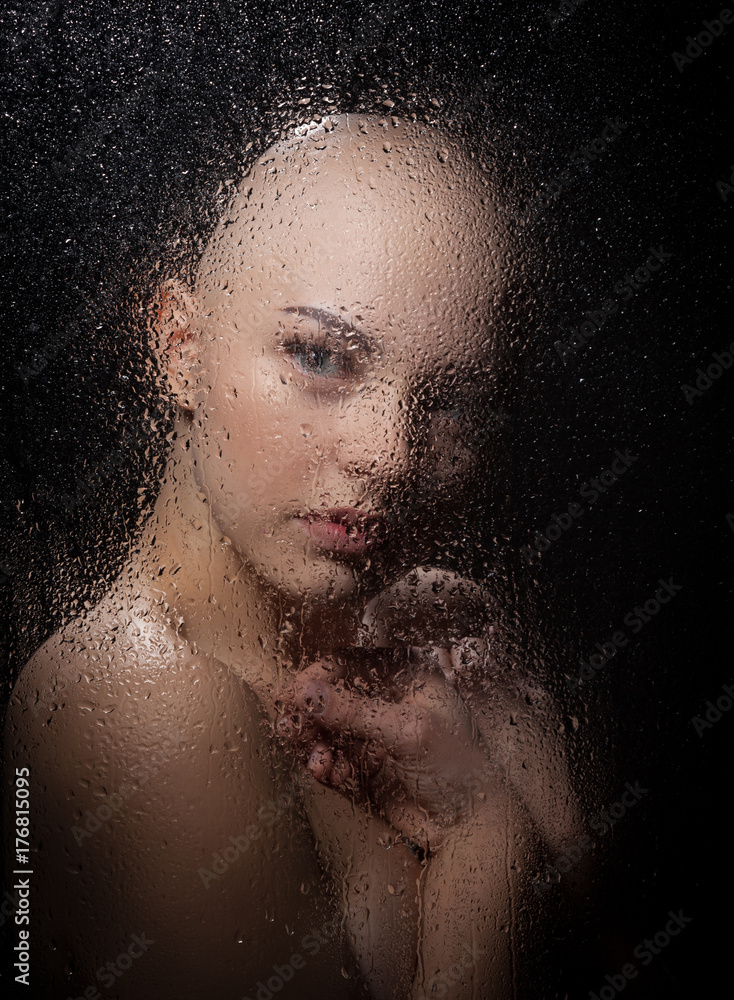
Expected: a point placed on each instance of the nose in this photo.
(373, 433)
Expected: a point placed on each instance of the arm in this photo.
(428, 765)
(378, 880)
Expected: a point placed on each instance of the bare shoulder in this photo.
(156, 816)
(125, 675)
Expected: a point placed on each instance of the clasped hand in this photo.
(389, 726)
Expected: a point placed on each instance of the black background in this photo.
(120, 117)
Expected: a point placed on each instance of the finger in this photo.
(341, 771)
(294, 730)
(286, 726)
(326, 668)
(321, 761)
(469, 658)
(411, 822)
(399, 726)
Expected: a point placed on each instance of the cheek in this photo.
(256, 442)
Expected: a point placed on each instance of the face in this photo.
(346, 335)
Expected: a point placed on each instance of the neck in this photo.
(191, 575)
(189, 570)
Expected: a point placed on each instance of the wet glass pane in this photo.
(366, 540)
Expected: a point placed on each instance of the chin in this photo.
(328, 581)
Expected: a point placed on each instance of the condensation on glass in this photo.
(296, 745)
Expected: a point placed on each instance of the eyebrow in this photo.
(334, 322)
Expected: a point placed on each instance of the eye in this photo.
(324, 348)
(451, 414)
(448, 416)
(317, 359)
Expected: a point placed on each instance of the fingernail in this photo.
(319, 763)
(284, 726)
(315, 697)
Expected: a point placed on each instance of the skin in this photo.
(276, 431)
(232, 610)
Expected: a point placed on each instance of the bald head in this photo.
(361, 209)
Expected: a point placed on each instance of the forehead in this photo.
(367, 218)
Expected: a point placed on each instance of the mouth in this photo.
(345, 531)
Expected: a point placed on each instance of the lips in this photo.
(343, 530)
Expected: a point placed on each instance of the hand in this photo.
(396, 735)
(404, 744)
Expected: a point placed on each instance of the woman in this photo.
(325, 745)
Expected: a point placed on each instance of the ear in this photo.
(175, 338)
